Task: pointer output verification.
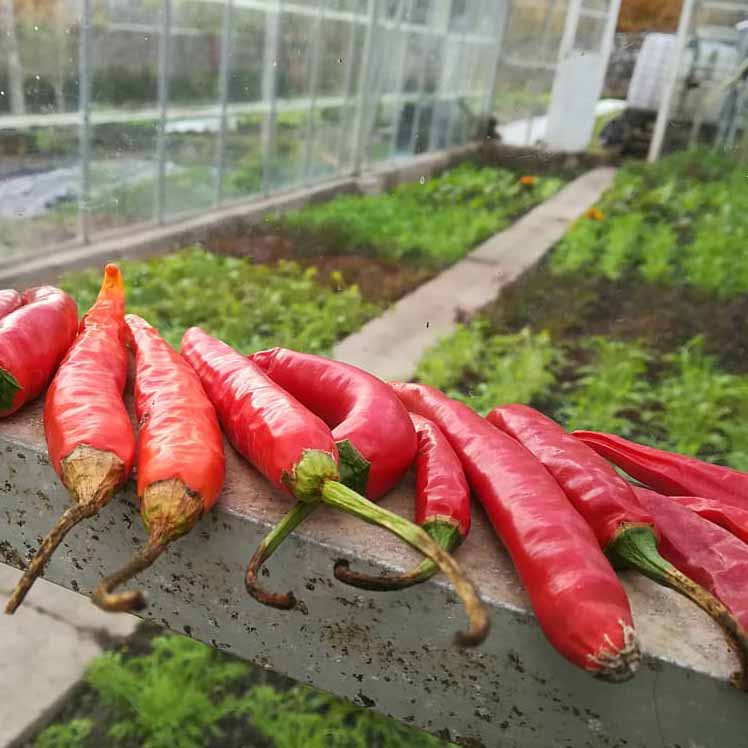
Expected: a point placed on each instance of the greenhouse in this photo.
(471, 274)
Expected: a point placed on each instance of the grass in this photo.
(249, 306)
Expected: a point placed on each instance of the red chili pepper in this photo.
(670, 473)
(442, 507)
(716, 559)
(295, 450)
(89, 435)
(625, 530)
(180, 457)
(579, 602)
(373, 432)
(734, 519)
(10, 300)
(33, 340)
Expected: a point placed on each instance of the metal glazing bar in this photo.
(400, 79)
(345, 110)
(224, 93)
(441, 87)
(163, 103)
(313, 86)
(84, 107)
(269, 91)
(663, 114)
(360, 136)
(417, 104)
(453, 110)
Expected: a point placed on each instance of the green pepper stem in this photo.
(300, 511)
(636, 547)
(337, 495)
(445, 534)
(8, 389)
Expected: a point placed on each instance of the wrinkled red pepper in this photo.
(10, 300)
(295, 450)
(670, 473)
(181, 464)
(734, 519)
(626, 531)
(715, 558)
(89, 435)
(33, 340)
(374, 435)
(442, 507)
(578, 600)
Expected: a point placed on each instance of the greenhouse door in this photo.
(583, 59)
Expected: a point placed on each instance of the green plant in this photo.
(659, 244)
(305, 718)
(72, 734)
(434, 223)
(578, 248)
(611, 384)
(620, 246)
(174, 697)
(249, 306)
(486, 370)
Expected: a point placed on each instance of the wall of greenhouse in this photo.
(123, 113)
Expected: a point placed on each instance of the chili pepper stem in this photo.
(337, 495)
(445, 534)
(169, 509)
(636, 547)
(300, 511)
(91, 476)
(8, 388)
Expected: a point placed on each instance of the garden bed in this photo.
(170, 691)
(633, 323)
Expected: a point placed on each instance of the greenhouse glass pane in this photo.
(242, 175)
(246, 55)
(40, 172)
(287, 163)
(125, 113)
(292, 68)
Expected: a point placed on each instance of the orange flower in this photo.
(527, 180)
(595, 214)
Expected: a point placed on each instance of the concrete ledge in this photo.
(389, 651)
(48, 265)
(392, 344)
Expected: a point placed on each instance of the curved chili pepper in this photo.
(89, 435)
(670, 473)
(10, 300)
(33, 340)
(442, 507)
(374, 435)
(181, 464)
(579, 602)
(294, 449)
(625, 530)
(716, 559)
(734, 519)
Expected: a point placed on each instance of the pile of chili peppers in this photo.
(329, 433)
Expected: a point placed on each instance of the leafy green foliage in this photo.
(681, 221)
(305, 718)
(249, 306)
(72, 734)
(485, 370)
(184, 694)
(436, 222)
(680, 401)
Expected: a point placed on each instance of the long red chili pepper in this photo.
(33, 340)
(579, 602)
(181, 464)
(442, 507)
(670, 473)
(89, 435)
(734, 519)
(625, 530)
(295, 450)
(373, 432)
(10, 300)
(712, 556)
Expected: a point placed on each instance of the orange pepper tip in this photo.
(112, 283)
